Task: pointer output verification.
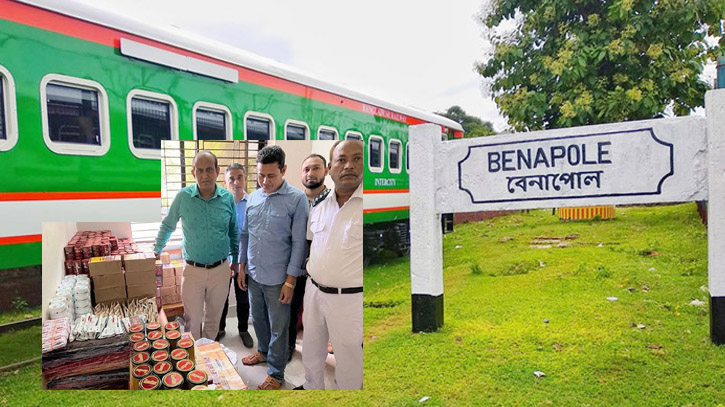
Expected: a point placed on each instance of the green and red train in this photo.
(86, 97)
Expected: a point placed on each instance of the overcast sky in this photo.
(404, 51)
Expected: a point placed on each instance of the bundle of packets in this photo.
(55, 334)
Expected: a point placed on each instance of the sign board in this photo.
(650, 161)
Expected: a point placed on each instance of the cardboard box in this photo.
(172, 309)
(110, 294)
(178, 290)
(168, 291)
(140, 277)
(141, 291)
(179, 279)
(108, 281)
(179, 270)
(165, 258)
(140, 262)
(169, 270)
(168, 281)
(101, 266)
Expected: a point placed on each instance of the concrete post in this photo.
(715, 105)
(426, 247)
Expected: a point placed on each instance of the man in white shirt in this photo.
(334, 292)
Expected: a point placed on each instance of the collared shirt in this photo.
(241, 207)
(273, 242)
(336, 254)
(210, 228)
(320, 197)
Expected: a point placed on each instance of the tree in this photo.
(472, 126)
(579, 62)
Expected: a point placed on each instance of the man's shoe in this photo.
(270, 383)
(247, 339)
(254, 359)
(220, 335)
(300, 387)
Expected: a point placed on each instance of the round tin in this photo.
(179, 354)
(188, 345)
(160, 356)
(173, 381)
(143, 346)
(162, 368)
(161, 344)
(153, 326)
(139, 358)
(200, 387)
(138, 373)
(184, 366)
(155, 335)
(173, 337)
(150, 382)
(196, 378)
(172, 326)
(135, 328)
(136, 337)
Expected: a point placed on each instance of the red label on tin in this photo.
(142, 370)
(136, 328)
(172, 334)
(161, 344)
(172, 379)
(179, 354)
(139, 358)
(172, 326)
(152, 326)
(185, 343)
(137, 336)
(162, 367)
(154, 335)
(141, 346)
(197, 376)
(184, 365)
(149, 382)
(159, 355)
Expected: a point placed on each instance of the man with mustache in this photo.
(211, 234)
(334, 292)
(273, 246)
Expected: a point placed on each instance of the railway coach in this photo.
(87, 96)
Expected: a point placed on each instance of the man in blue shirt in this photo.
(273, 246)
(235, 180)
(211, 234)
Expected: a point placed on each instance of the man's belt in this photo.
(333, 290)
(205, 266)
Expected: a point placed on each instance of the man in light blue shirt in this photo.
(211, 235)
(274, 247)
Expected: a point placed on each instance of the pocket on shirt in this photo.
(353, 235)
(254, 216)
(280, 221)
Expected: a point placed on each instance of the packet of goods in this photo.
(55, 334)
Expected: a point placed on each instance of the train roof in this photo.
(196, 43)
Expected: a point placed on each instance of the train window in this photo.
(376, 155)
(407, 157)
(295, 130)
(258, 126)
(152, 118)
(326, 133)
(212, 122)
(394, 159)
(8, 112)
(353, 135)
(75, 115)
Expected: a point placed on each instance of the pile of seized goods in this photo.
(93, 351)
(162, 359)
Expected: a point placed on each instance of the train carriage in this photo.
(87, 96)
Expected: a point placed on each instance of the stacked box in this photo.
(108, 280)
(171, 283)
(140, 275)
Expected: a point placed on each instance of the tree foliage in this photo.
(472, 126)
(579, 62)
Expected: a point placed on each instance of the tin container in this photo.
(161, 368)
(136, 337)
(188, 345)
(200, 387)
(159, 356)
(173, 337)
(179, 354)
(139, 358)
(143, 346)
(161, 344)
(136, 328)
(155, 335)
(172, 381)
(185, 366)
(172, 326)
(150, 382)
(153, 326)
(138, 373)
(196, 378)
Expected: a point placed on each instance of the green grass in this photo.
(497, 296)
(19, 315)
(25, 345)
